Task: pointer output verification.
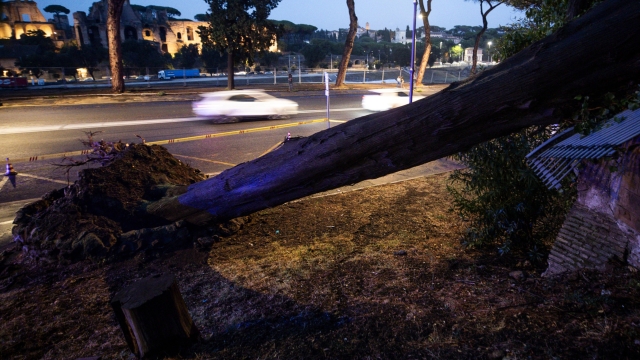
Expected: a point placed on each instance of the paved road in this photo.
(24, 133)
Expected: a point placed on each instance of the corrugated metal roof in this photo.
(558, 156)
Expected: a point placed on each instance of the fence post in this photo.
(432, 73)
(446, 74)
(184, 77)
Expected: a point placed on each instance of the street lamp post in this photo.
(489, 51)
(413, 49)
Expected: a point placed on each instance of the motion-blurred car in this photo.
(386, 99)
(234, 105)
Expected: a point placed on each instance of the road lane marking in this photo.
(3, 181)
(44, 178)
(172, 141)
(207, 160)
(270, 149)
(235, 132)
(32, 129)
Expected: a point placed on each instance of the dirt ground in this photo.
(377, 273)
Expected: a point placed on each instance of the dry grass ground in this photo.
(377, 273)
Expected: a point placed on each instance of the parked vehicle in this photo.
(234, 105)
(178, 73)
(13, 82)
(386, 99)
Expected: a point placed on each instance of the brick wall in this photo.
(604, 223)
(587, 239)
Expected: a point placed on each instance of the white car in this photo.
(386, 99)
(231, 106)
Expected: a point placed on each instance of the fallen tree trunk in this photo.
(595, 53)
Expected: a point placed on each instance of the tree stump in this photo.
(154, 317)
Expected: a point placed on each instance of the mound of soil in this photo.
(90, 217)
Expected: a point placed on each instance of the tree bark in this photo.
(485, 24)
(153, 316)
(114, 13)
(348, 45)
(230, 70)
(427, 38)
(598, 52)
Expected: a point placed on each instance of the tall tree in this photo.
(492, 5)
(348, 45)
(57, 10)
(141, 54)
(240, 28)
(171, 12)
(427, 40)
(187, 56)
(44, 55)
(550, 73)
(505, 203)
(114, 13)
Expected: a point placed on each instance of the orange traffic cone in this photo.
(10, 170)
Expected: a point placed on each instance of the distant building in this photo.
(445, 37)
(365, 30)
(20, 16)
(151, 25)
(468, 55)
(400, 37)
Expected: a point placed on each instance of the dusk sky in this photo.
(333, 14)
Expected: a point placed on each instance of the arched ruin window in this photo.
(189, 33)
(147, 32)
(94, 35)
(179, 35)
(163, 34)
(130, 33)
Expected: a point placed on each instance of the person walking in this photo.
(290, 82)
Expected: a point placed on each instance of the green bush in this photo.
(504, 202)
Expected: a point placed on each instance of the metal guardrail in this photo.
(434, 75)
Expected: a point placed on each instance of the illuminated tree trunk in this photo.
(348, 45)
(427, 39)
(537, 86)
(114, 12)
